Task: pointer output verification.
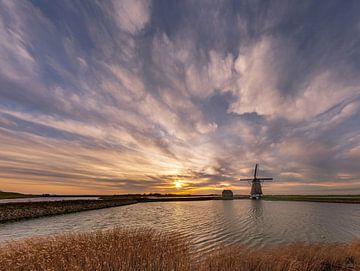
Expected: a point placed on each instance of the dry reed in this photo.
(295, 257)
(145, 249)
(108, 250)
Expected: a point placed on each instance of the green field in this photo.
(13, 195)
(174, 197)
(315, 198)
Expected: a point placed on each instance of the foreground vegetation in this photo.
(148, 250)
(110, 250)
(296, 257)
(25, 210)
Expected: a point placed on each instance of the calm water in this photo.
(210, 223)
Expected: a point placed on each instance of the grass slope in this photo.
(315, 198)
(12, 195)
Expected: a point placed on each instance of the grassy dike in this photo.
(144, 249)
(355, 199)
(26, 210)
(13, 195)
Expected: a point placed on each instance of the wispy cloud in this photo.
(131, 96)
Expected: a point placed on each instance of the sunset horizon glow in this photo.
(141, 96)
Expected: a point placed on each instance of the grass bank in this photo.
(148, 250)
(315, 198)
(26, 210)
(13, 195)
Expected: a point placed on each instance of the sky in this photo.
(140, 96)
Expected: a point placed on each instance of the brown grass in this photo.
(109, 250)
(296, 257)
(149, 250)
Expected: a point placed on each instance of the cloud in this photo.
(129, 96)
(132, 15)
(260, 69)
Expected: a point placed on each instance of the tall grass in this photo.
(109, 250)
(296, 257)
(149, 250)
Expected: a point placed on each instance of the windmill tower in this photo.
(256, 191)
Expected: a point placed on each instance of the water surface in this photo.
(211, 223)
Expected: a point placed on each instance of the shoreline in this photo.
(28, 210)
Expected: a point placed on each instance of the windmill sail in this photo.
(255, 171)
(256, 190)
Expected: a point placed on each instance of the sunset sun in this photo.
(178, 184)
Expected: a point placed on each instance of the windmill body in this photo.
(256, 190)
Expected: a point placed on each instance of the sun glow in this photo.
(178, 184)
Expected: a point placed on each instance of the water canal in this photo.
(210, 223)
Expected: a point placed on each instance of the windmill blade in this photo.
(255, 171)
(245, 180)
(265, 179)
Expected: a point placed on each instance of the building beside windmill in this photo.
(227, 194)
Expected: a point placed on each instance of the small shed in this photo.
(227, 194)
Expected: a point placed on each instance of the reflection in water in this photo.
(210, 223)
(256, 209)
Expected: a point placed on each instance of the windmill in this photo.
(256, 190)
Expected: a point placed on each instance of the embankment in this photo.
(16, 211)
(148, 250)
(351, 199)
